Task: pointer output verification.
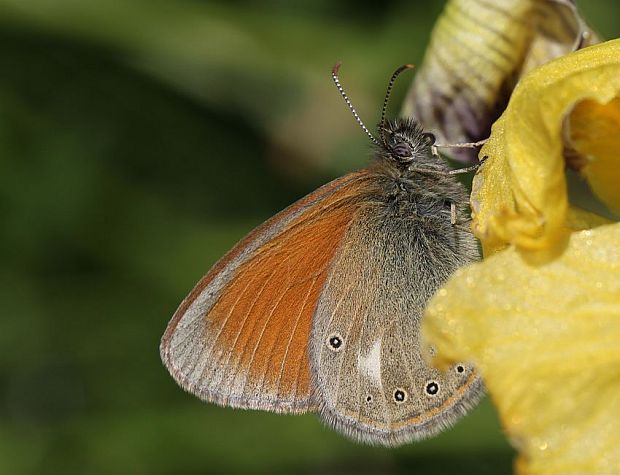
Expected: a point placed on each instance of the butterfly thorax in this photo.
(413, 181)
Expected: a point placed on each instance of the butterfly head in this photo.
(403, 140)
(400, 140)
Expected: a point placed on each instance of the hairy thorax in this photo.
(407, 193)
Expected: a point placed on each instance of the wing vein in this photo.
(260, 337)
(359, 372)
(331, 318)
(290, 339)
(346, 340)
(233, 374)
(221, 329)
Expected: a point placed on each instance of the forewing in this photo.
(372, 381)
(240, 338)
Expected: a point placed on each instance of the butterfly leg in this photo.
(461, 145)
(452, 213)
(471, 168)
(460, 171)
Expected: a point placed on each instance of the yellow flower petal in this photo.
(579, 220)
(478, 50)
(595, 136)
(547, 342)
(519, 196)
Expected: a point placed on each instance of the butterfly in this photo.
(318, 309)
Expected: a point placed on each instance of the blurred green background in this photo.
(139, 140)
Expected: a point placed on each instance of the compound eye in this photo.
(429, 138)
(402, 150)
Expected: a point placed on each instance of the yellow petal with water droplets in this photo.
(547, 343)
(519, 196)
(478, 51)
(580, 220)
(577, 220)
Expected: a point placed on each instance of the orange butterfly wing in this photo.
(240, 338)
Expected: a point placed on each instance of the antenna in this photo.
(387, 98)
(346, 99)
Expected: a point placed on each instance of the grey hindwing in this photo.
(370, 379)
